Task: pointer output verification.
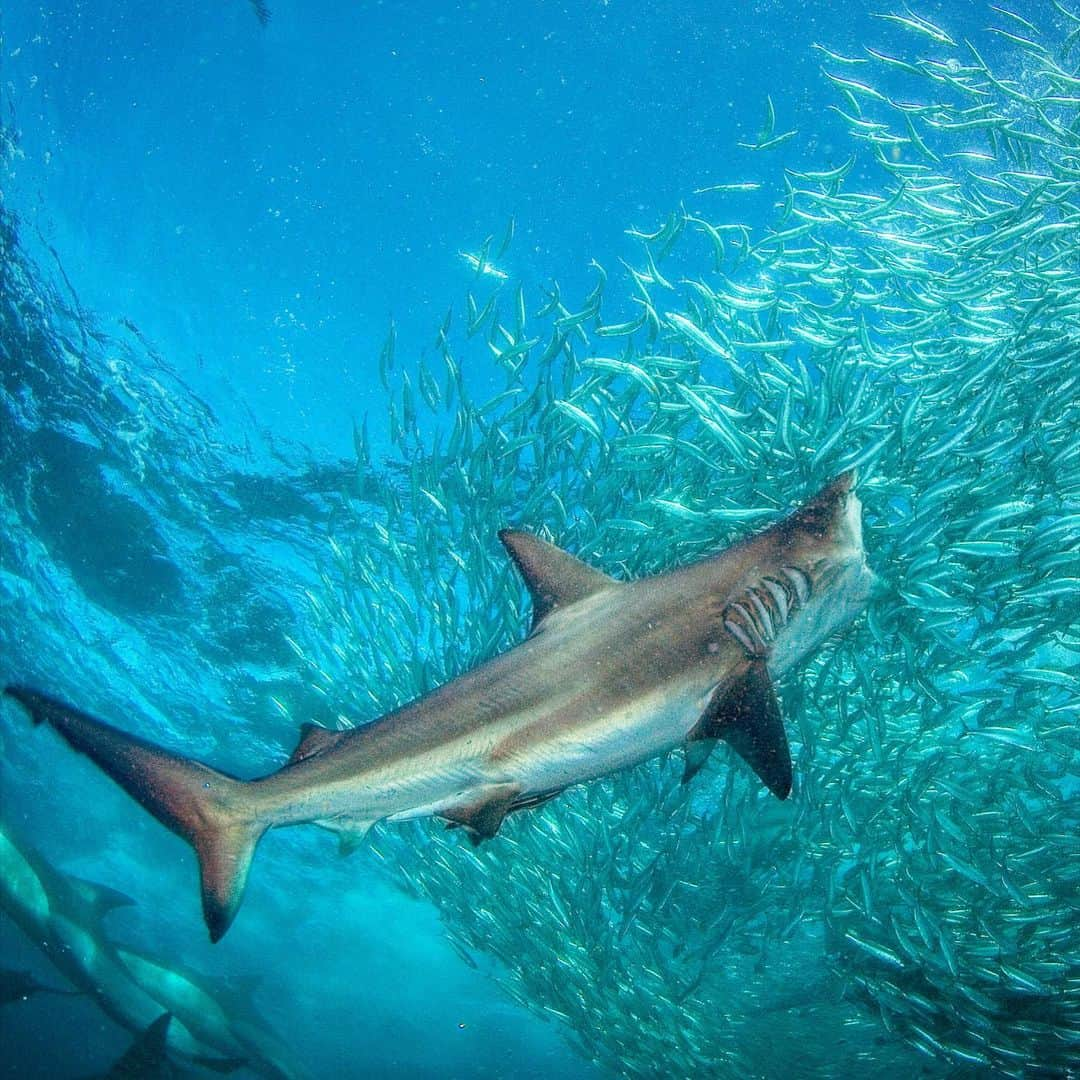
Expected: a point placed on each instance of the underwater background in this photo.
(300, 305)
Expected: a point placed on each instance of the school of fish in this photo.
(923, 326)
(912, 313)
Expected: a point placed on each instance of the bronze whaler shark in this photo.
(612, 673)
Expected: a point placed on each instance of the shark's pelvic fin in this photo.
(554, 577)
(529, 802)
(207, 808)
(482, 812)
(747, 717)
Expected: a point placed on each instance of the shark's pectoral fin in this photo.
(554, 577)
(747, 717)
(696, 754)
(482, 811)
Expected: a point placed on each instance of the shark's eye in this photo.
(814, 519)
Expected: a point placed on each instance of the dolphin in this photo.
(148, 1058)
(612, 673)
(214, 1026)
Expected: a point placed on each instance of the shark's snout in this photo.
(833, 518)
(837, 497)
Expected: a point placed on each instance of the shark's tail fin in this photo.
(212, 811)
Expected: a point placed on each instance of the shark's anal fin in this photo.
(747, 717)
(482, 811)
(351, 832)
(554, 577)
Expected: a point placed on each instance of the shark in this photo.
(612, 673)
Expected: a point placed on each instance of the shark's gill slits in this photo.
(756, 619)
(764, 619)
(800, 582)
(779, 594)
(738, 628)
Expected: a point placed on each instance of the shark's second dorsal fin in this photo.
(313, 740)
(555, 577)
(747, 717)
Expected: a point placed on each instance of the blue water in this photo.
(260, 203)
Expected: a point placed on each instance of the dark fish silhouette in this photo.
(147, 1058)
(21, 985)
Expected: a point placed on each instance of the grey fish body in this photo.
(613, 674)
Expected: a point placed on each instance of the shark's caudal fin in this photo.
(209, 809)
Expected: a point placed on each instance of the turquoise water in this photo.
(253, 475)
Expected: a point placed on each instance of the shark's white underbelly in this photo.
(622, 737)
(626, 736)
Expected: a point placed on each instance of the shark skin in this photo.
(613, 673)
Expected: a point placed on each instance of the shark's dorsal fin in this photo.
(313, 740)
(482, 811)
(555, 577)
(747, 717)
